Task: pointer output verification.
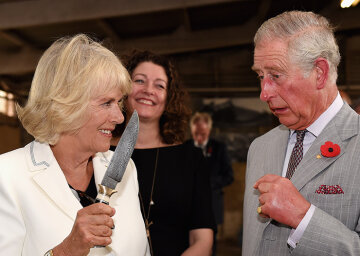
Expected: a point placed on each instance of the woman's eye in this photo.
(161, 86)
(139, 81)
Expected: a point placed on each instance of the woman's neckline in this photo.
(160, 147)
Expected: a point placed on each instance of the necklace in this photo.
(151, 203)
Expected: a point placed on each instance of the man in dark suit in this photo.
(302, 177)
(217, 161)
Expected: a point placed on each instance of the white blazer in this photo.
(38, 209)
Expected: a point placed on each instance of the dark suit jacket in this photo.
(221, 174)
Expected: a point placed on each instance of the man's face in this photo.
(291, 96)
(200, 132)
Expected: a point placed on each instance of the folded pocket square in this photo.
(329, 189)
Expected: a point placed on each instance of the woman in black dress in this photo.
(174, 187)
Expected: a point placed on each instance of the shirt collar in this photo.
(316, 127)
(201, 146)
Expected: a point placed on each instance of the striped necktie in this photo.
(297, 153)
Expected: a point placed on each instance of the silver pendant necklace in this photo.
(151, 203)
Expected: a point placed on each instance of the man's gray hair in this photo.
(309, 36)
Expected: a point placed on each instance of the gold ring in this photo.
(259, 210)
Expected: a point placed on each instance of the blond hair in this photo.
(309, 36)
(201, 117)
(71, 72)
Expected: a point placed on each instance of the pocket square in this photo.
(329, 189)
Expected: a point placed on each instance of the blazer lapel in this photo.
(50, 178)
(277, 154)
(209, 151)
(342, 127)
(101, 162)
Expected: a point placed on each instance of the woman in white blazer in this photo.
(46, 187)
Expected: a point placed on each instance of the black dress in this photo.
(221, 174)
(181, 195)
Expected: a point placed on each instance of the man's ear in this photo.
(322, 72)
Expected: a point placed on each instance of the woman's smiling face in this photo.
(104, 114)
(149, 92)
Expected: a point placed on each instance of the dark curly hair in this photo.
(174, 120)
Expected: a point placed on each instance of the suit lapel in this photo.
(342, 127)
(50, 178)
(101, 162)
(278, 151)
(210, 149)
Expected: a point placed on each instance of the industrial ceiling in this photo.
(209, 40)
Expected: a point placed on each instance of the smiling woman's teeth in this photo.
(106, 131)
(148, 102)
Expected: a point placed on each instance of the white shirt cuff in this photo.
(296, 234)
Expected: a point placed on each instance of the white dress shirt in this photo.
(202, 146)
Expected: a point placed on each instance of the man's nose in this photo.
(268, 90)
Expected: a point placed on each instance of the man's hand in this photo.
(280, 200)
(92, 227)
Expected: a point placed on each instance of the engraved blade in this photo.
(122, 154)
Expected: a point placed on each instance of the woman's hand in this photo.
(92, 227)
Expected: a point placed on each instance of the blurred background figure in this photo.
(217, 161)
(175, 191)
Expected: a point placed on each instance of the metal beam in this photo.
(184, 40)
(14, 39)
(181, 41)
(42, 12)
(109, 31)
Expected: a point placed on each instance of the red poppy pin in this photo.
(330, 149)
(209, 151)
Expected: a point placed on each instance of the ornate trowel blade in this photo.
(122, 154)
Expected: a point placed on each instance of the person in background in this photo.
(217, 161)
(174, 185)
(302, 193)
(47, 188)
